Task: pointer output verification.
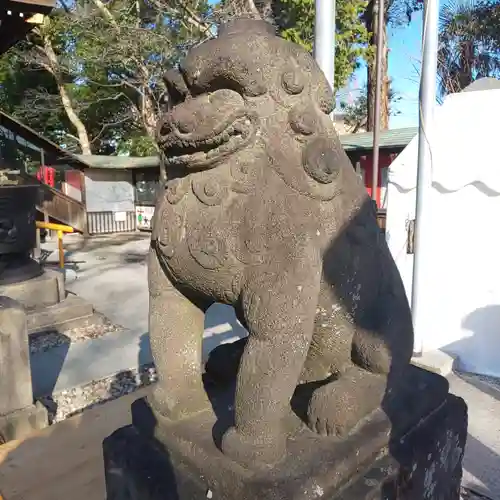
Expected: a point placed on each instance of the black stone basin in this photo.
(18, 232)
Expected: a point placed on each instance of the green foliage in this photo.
(356, 113)
(469, 45)
(110, 57)
(295, 20)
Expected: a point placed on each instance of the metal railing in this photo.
(60, 229)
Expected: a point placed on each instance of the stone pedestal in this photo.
(42, 291)
(48, 305)
(411, 450)
(18, 414)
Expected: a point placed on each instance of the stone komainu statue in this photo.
(263, 211)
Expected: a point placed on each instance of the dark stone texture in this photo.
(410, 451)
(15, 268)
(17, 232)
(264, 211)
(17, 218)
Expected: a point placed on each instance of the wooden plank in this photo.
(64, 460)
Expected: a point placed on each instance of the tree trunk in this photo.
(106, 13)
(372, 26)
(150, 120)
(53, 67)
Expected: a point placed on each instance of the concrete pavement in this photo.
(111, 273)
(482, 452)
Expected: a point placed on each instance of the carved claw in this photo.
(325, 415)
(258, 451)
(337, 407)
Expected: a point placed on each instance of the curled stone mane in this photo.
(246, 24)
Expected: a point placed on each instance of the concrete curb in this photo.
(436, 362)
(68, 366)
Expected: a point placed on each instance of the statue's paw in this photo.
(254, 452)
(181, 403)
(327, 415)
(337, 407)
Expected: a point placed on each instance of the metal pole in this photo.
(423, 210)
(378, 91)
(324, 38)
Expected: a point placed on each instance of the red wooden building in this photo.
(359, 148)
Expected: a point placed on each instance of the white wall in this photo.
(109, 190)
(71, 191)
(461, 300)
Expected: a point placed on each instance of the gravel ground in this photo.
(491, 381)
(52, 338)
(71, 402)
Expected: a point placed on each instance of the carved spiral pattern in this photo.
(209, 191)
(303, 120)
(320, 160)
(292, 81)
(245, 174)
(207, 248)
(170, 233)
(176, 189)
(8, 230)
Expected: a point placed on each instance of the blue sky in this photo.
(404, 64)
(405, 46)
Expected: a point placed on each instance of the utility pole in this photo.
(423, 209)
(378, 91)
(324, 39)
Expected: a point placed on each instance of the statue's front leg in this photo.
(279, 309)
(176, 335)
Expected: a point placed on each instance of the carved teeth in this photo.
(225, 142)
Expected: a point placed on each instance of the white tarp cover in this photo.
(462, 256)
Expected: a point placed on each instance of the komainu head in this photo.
(245, 93)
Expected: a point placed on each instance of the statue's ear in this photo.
(321, 161)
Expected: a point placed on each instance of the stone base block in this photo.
(411, 450)
(435, 361)
(66, 314)
(20, 423)
(45, 290)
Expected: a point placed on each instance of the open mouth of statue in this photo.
(195, 152)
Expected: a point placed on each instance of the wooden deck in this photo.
(63, 461)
